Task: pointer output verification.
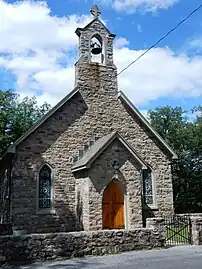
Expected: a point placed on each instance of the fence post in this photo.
(196, 236)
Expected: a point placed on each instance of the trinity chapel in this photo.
(93, 161)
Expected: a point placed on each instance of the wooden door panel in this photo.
(106, 216)
(119, 216)
(113, 206)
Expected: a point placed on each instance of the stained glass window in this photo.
(147, 187)
(45, 185)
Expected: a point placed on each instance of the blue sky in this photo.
(39, 48)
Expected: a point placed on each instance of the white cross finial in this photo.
(95, 11)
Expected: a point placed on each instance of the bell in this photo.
(96, 49)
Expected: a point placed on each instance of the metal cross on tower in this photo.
(95, 11)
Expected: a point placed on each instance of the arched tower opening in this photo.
(97, 49)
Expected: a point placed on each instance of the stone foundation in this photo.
(6, 228)
(41, 247)
(196, 230)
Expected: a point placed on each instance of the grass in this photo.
(177, 235)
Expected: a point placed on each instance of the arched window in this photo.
(148, 189)
(96, 49)
(45, 188)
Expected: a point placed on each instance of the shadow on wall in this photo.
(64, 219)
(79, 213)
(146, 213)
(45, 135)
(109, 164)
(24, 177)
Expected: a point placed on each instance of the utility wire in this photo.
(162, 38)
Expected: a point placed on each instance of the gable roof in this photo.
(123, 97)
(78, 30)
(100, 145)
(12, 148)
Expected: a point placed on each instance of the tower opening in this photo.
(96, 49)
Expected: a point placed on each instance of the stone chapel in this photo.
(93, 161)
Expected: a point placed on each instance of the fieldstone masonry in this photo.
(41, 247)
(93, 111)
(99, 176)
(196, 230)
(157, 224)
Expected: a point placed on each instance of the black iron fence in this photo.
(178, 230)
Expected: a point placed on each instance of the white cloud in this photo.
(195, 43)
(29, 24)
(131, 6)
(39, 50)
(121, 42)
(139, 28)
(160, 73)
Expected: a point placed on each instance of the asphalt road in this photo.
(183, 257)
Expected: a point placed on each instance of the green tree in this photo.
(171, 124)
(17, 116)
(185, 137)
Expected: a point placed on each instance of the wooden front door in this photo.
(113, 206)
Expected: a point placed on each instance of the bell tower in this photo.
(95, 67)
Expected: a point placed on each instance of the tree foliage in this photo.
(17, 116)
(173, 124)
(185, 137)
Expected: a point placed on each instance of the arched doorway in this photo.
(113, 206)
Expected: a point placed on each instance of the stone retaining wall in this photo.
(196, 223)
(6, 228)
(41, 247)
(190, 214)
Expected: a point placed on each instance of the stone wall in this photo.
(196, 229)
(102, 173)
(190, 214)
(5, 228)
(41, 247)
(94, 111)
(65, 136)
